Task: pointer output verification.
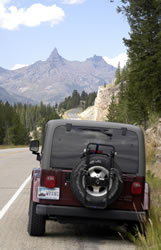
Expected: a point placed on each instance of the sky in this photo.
(79, 29)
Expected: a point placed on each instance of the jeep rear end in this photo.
(90, 172)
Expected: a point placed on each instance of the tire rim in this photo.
(97, 172)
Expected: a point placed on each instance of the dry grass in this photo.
(152, 240)
(152, 165)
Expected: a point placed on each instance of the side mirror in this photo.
(34, 146)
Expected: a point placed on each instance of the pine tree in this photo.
(118, 74)
(123, 113)
(112, 115)
(19, 133)
(2, 125)
(84, 96)
(137, 108)
(144, 51)
(75, 98)
(90, 99)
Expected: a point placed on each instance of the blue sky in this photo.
(79, 29)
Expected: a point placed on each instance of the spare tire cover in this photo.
(99, 167)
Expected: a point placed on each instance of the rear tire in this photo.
(36, 223)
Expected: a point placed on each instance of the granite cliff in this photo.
(99, 111)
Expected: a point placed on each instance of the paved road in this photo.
(15, 168)
(72, 114)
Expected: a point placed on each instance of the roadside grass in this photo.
(153, 119)
(150, 155)
(152, 238)
(13, 146)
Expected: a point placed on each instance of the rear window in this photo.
(68, 146)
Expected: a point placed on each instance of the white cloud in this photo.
(3, 2)
(18, 66)
(122, 58)
(12, 17)
(73, 1)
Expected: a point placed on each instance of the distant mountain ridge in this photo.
(52, 80)
(6, 97)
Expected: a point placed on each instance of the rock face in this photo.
(52, 80)
(99, 111)
(6, 97)
(103, 100)
(153, 137)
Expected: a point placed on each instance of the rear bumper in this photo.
(81, 212)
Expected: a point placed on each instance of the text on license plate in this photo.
(47, 193)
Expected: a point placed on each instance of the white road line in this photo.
(14, 197)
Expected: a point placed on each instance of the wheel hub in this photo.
(96, 176)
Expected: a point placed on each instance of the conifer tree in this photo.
(144, 51)
(112, 115)
(84, 95)
(118, 74)
(19, 133)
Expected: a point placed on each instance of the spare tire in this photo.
(100, 168)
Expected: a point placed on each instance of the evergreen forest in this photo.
(139, 99)
(74, 100)
(22, 122)
(18, 121)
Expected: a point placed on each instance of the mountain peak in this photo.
(96, 59)
(55, 59)
(54, 54)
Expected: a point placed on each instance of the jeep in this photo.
(90, 172)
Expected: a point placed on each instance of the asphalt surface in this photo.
(72, 114)
(15, 169)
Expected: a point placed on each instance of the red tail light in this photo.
(50, 181)
(136, 188)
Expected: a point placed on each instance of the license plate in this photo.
(47, 193)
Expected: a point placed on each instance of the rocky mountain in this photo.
(99, 110)
(13, 98)
(52, 80)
